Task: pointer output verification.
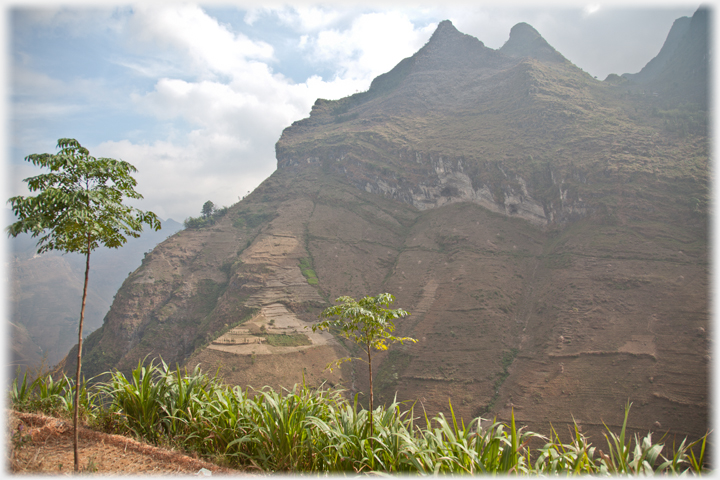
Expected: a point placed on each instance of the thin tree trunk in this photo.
(372, 424)
(79, 355)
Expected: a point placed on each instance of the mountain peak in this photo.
(445, 28)
(446, 33)
(524, 29)
(525, 41)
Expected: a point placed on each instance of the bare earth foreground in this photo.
(37, 444)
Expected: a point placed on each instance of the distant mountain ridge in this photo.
(547, 231)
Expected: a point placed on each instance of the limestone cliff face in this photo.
(438, 181)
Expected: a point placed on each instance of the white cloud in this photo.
(188, 31)
(373, 44)
(238, 114)
(176, 179)
(309, 18)
(590, 9)
(359, 45)
(227, 108)
(301, 18)
(232, 149)
(149, 67)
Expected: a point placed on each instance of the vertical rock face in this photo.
(547, 231)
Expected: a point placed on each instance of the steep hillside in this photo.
(547, 231)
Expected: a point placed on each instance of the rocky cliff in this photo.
(547, 231)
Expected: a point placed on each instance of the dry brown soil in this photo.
(37, 444)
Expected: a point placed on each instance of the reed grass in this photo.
(319, 430)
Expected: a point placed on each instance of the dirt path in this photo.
(37, 444)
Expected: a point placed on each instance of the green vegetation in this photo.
(507, 359)
(684, 120)
(208, 209)
(253, 220)
(208, 292)
(307, 271)
(366, 322)
(78, 209)
(318, 430)
(210, 215)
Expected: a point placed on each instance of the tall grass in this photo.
(50, 396)
(319, 430)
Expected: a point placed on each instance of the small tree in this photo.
(208, 209)
(79, 208)
(366, 322)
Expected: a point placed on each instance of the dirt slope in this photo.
(40, 445)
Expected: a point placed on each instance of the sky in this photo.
(195, 96)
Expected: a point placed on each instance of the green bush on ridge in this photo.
(318, 430)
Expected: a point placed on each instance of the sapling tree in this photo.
(367, 322)
(79, 208)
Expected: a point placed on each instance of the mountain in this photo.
(547, 232)
(46, 292)
(680, 70)
(525, 41)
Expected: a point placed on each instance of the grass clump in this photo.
(307, 271)
(319, 430)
